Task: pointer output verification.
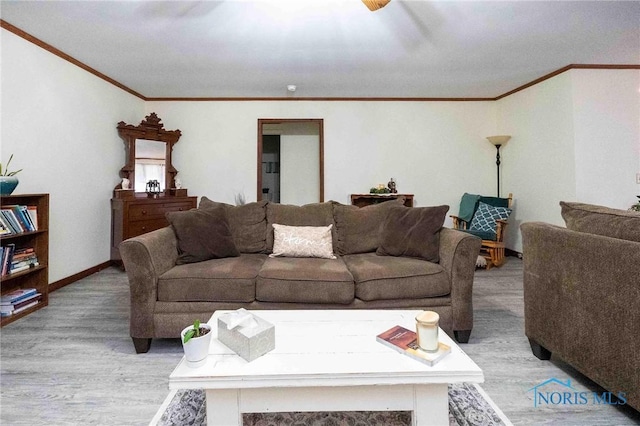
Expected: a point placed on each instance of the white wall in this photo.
(435, 150)
(606, 118)
(59, 121)
(299, 169)
(576, 137)
(538, 164)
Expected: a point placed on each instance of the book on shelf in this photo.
(4, 228)
(23, 259)
(7, 258)
(33, 214)
(16, 219)
(11, 220)
(8, 310)
(20, 213)
(406, 342)
(17, 295)
(22, 267)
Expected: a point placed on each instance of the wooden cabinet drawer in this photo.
(143, 226)
(138, 215)
(156, 211)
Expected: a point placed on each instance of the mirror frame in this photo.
(151, 128)
(318, 121)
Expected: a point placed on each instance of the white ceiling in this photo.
(328, 48)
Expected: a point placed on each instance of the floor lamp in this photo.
(498, 141)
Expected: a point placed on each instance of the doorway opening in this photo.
(291, 160)
(271, 168)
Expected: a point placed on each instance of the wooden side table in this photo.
(362, 200)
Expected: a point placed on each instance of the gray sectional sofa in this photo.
(387, 256)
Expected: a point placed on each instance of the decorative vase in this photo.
(8, 184)
(197, 348)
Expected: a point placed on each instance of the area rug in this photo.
(469, 405)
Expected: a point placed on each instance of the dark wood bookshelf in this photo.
(38, 276)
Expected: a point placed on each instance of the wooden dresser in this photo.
(135, 216)
(362, 200)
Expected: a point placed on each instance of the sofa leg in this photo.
(142, 345)
(462, 336)
(539, 351)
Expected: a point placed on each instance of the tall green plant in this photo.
(6, 171)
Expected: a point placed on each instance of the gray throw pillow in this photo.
(413, 232)
(202, 235)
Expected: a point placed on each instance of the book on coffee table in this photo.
(406, 342)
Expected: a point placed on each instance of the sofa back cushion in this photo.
(359, 229)
(413, 232)
(600, 220)
(316, 214)
(248, 223)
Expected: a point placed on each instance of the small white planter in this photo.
(197, 348)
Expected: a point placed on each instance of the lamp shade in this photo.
(499, 140)
(374, 5)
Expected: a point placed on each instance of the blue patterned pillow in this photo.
(485, 217)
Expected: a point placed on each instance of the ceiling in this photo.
(415, 49)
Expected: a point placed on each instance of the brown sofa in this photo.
(380, 264)
(582, 294)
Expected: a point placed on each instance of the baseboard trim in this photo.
(76, 277)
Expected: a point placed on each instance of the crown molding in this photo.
(20, 33)
(46, 46)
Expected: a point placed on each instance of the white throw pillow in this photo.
(302, 241)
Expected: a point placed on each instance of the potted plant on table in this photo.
(195, 341)
(8, 180)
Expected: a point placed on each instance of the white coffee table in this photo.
(327, 361)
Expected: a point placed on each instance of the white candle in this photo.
(427, 330)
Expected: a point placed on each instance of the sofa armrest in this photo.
(458, 254)
(582, 301)
(145, 258)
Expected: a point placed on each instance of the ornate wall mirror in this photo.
(291, 160)
(148, 149)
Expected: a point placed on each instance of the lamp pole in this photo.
(498, 166)
(498, 141)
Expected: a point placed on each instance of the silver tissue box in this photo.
(245, 337)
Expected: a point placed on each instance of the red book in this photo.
(406, 342)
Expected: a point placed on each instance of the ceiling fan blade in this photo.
(374, 5)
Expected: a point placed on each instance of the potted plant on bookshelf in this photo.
(195, 342)
(8, 180)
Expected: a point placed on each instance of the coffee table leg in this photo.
(222, 407)
(431, 405)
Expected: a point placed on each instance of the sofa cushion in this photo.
(385, 277)
(413, 232)
(485, 218)
(248, 223)
(359, 229)
(302, 241)
(316, 214)
(218, 280)
(600, 220)
(304, 280)
(202, 235)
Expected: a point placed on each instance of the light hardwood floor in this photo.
(73, 362)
